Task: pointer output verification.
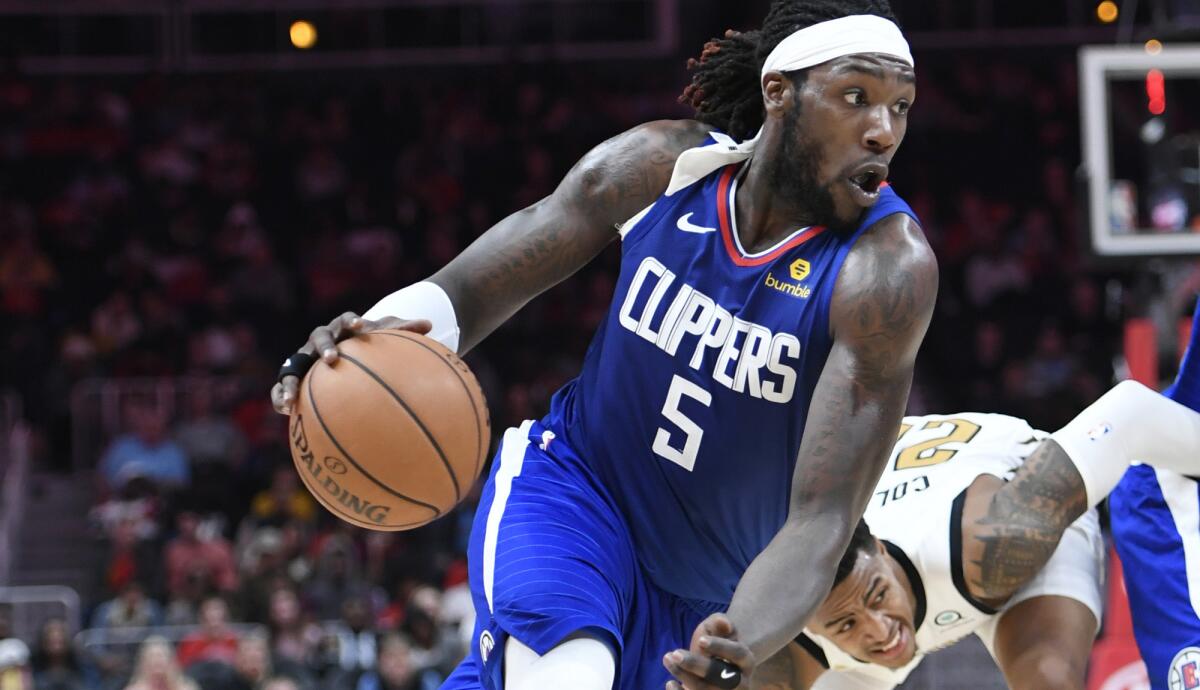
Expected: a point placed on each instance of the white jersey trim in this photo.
(512, 459)
(1180, 494)
(737, 240)
(695, 164)
(624, 228)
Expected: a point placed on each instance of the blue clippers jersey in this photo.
(694, 393)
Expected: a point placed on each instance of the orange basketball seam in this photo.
(321, 420)
(479, 457)
(421, 425)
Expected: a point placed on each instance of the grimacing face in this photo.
(841, 131)
(869, 615)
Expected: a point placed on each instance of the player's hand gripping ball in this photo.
(392, 433)
(717, 659)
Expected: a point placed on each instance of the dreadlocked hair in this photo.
(725, 89)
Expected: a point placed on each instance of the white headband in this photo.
(859, 33)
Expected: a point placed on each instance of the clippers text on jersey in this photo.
(750, 358)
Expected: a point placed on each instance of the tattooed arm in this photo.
(536, 248)
(879, 311)
(1010, 530)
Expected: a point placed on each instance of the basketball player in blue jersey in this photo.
(706, 469)
(1156, 530)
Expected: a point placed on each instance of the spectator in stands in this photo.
(14, 665)
(336, 575)
(293, 637)
(252, 667)
(348, 647)
(280, 683)
(215, 640)
(214, 446)
(145, 452)
(131, 530)
(112, 663)
(263, 568)
(285, 500)
(206, 436)
(156, 668)
(434, 648)
(26, 273)
(131, 608)
(396, 670)
(14, 655)
(457, 612)
(55, 665)
(198, 553)
(115, 323)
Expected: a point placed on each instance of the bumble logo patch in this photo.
(800, 269)
(797, 271)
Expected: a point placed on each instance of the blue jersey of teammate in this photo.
(695, 390)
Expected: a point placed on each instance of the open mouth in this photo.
(865, 181)
(894, 644)
(868, 181)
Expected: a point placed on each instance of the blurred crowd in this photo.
(201, 226)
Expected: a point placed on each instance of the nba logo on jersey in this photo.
(1184, 674)
(1099, 431)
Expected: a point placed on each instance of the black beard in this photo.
(795, 175)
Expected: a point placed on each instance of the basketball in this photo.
(393, 434)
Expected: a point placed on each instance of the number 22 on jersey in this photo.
(932, 451)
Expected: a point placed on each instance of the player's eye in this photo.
(901, 108)
(846, 626)
(855, 97)
(879, 597)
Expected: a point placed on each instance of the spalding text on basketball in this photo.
(360, 506)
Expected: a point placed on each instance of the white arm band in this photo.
(422, 300)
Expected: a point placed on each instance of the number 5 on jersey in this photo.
(685, 457)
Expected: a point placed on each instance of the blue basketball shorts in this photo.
(549, 557)
(1156, 529)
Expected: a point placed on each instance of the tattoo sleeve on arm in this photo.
(1010, 543)
(879, 312)
(536, 248)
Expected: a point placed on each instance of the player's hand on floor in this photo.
(322, 342)
(699, 668)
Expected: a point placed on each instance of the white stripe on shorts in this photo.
(512, 458)
(1180, 494)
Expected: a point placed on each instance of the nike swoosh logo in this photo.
(726, 674)
(685, 225)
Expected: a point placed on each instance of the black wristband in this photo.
(723, 674)
(297, 365)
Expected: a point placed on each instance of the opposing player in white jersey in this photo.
(983, 524)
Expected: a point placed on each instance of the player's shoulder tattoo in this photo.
(626, 173)
(885, 293)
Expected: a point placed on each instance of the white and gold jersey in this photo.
(917, 512)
